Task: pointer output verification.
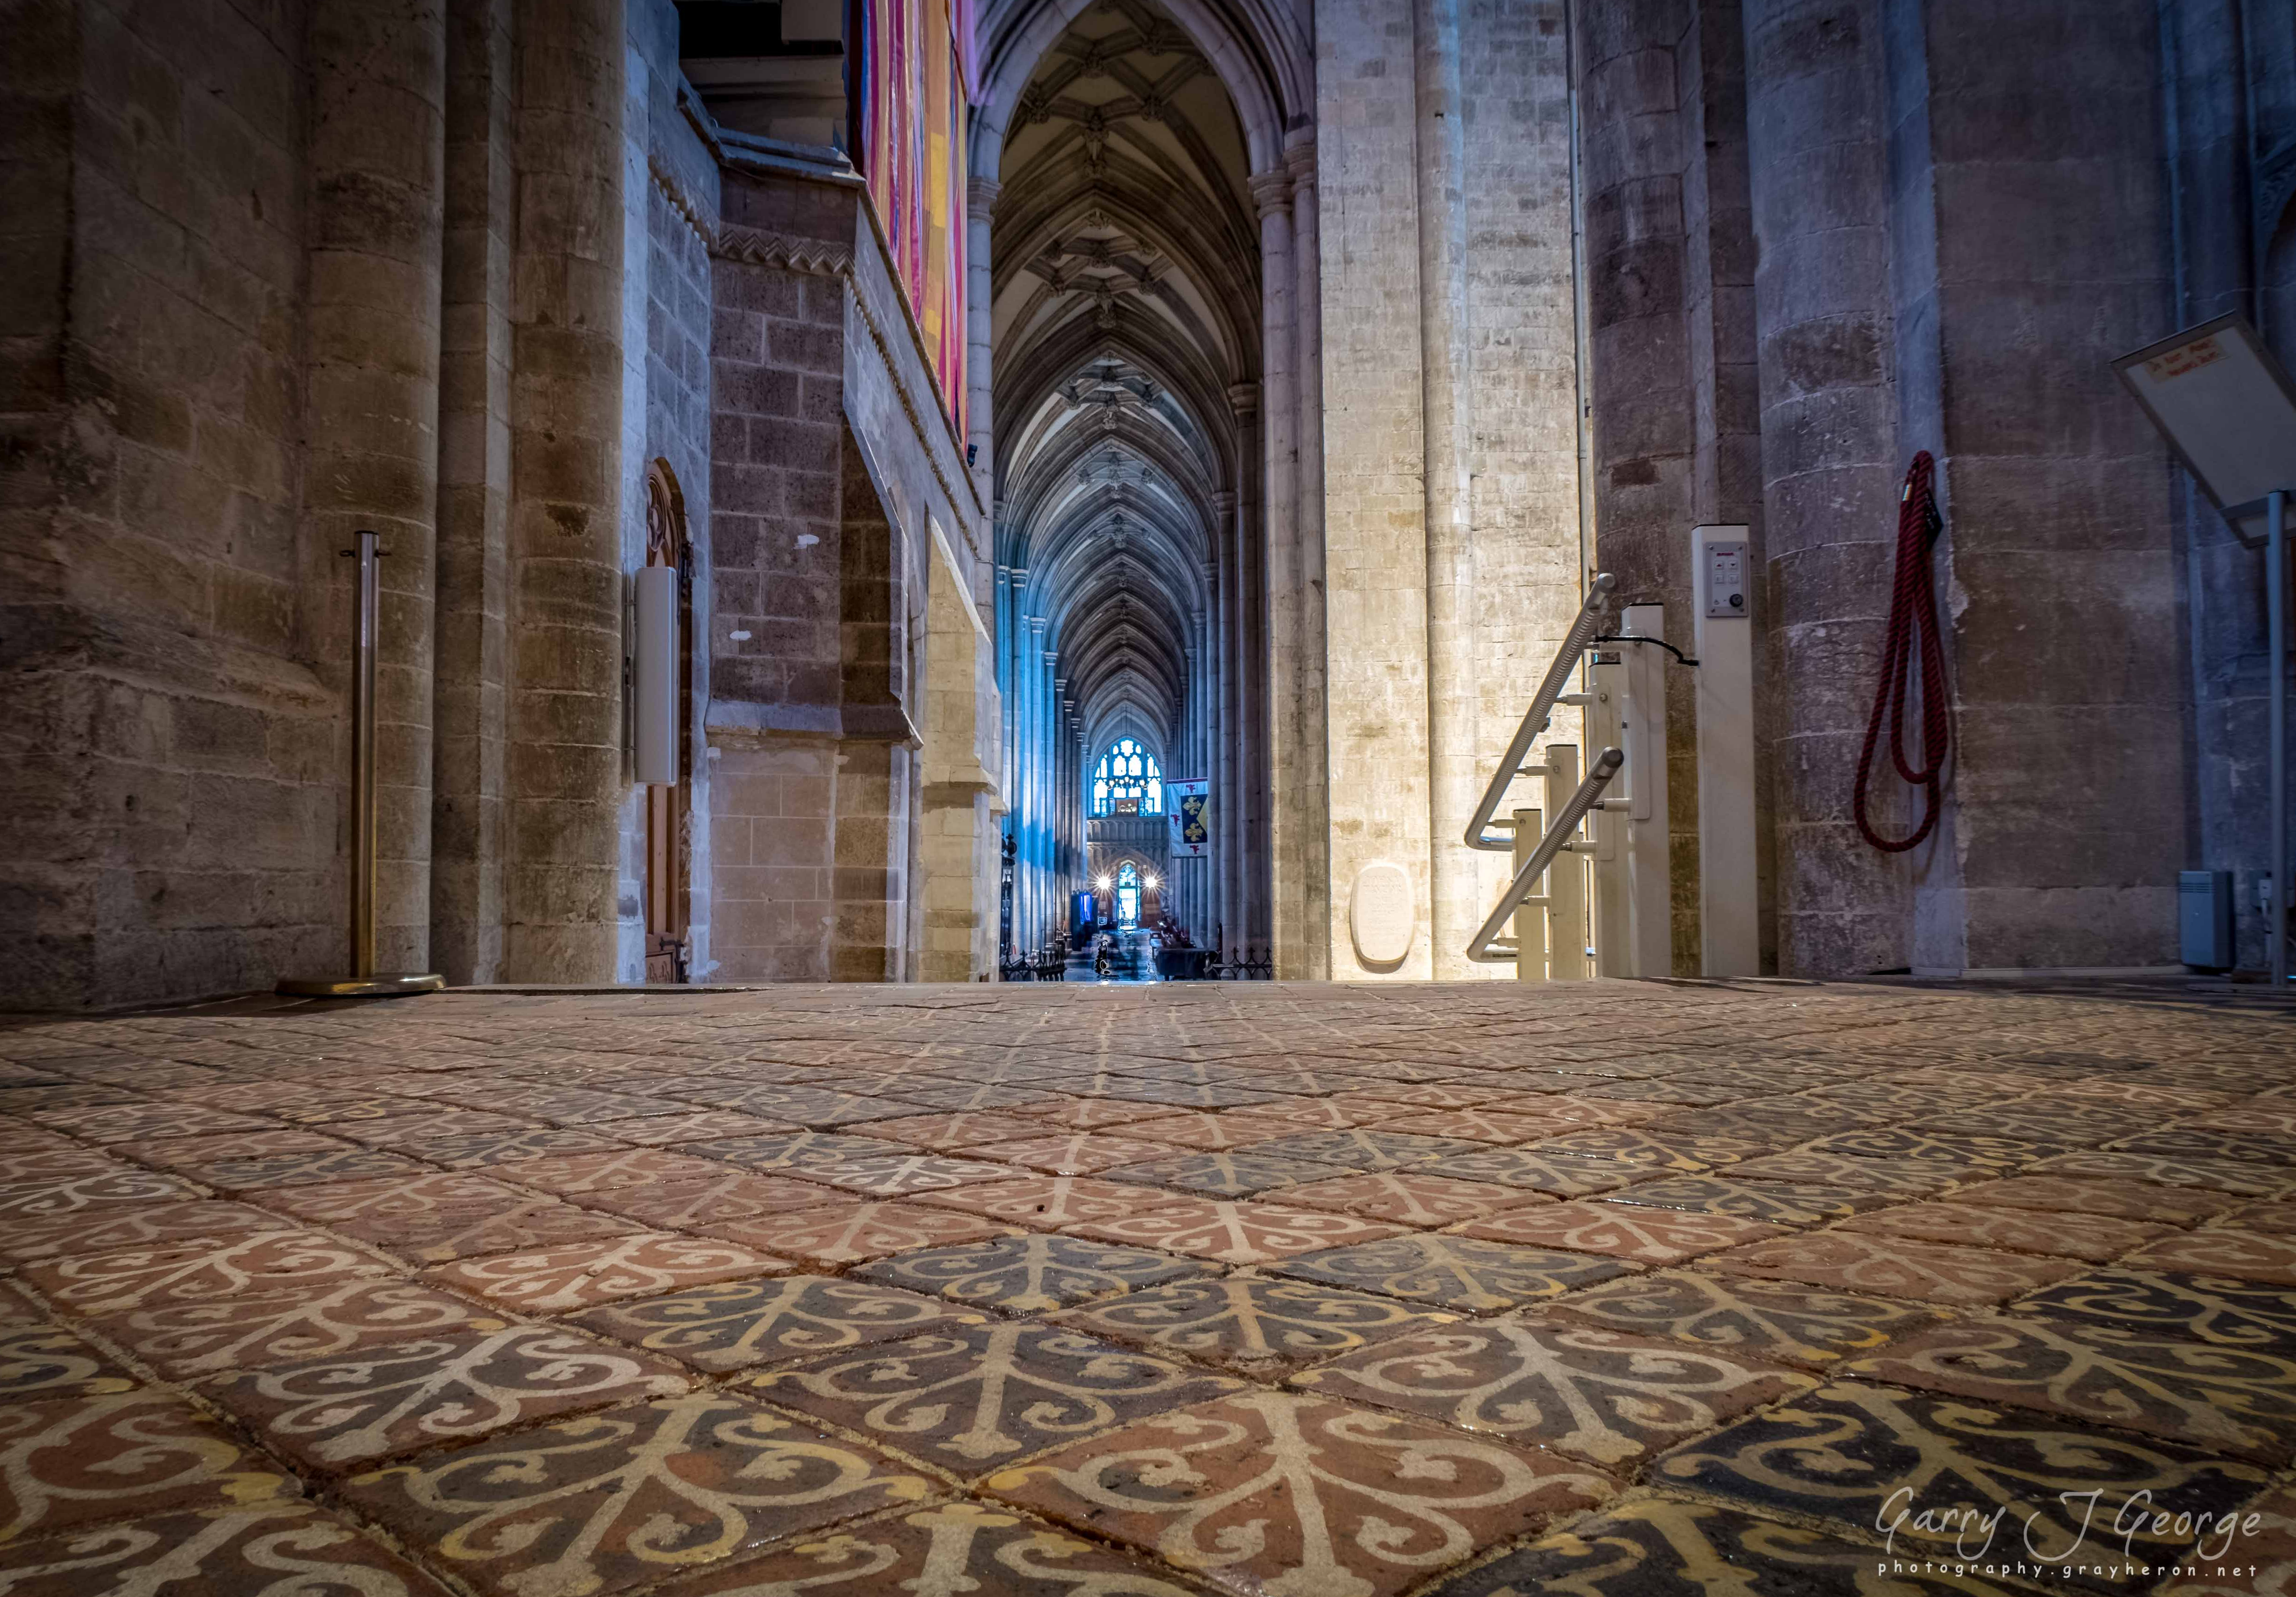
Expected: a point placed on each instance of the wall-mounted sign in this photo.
(1189, 804)
(2227, 408)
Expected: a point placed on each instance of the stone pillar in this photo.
(566, 768)
(1278, 736)
(377, 156)
(1234, 725)
(470, 740)
(1818, 136)
(1312, 834)
(980, 403)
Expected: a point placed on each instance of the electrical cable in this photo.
(1913, 618)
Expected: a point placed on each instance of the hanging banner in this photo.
(1191, 810)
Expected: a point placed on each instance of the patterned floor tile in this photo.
(2262, 1562)
(1537, 1172)
(280, 1547)
(1383, 1100)
(1256, 1325)
(1747, 1315)
(1324, 1114)
(1236, 1175)
(961, 1129)
(2167, 1170)
(1665, 1547)
(1456, 1273)
(1213, 1133)
(951, 1547)
(1069, 1153)
(2247, 1144)
(695, 1126)
(75, 1460)
(202, 1223)
(1648, 1148)
(47, 1361)
(1594, 1394)
(2209, 1308)
(338, 1412)
(972, 1398)
(257, 1261)
(1243, 1232)
(968, 1096)
(1101, 1114)
(302, 1169)
(740, 1324)
(2227, 1399)
(1182, 1094)
(1488, 1125)
(853, 1230)
(1647, 1236)
(627, 1497)
(1772, 1202)
(428, 1123)
(728, 1195)
(185, 1154)
(2221, 1250)
(553, 1280)
(2275, 1219)
(249, 1332)
(1023, 1275)
(441, 1217)
(477, 1149)
(1045, 1202)
(2095, 1238)
(27, 1162)
(1844, 1261)
(1284, 1493)
(1362, 1147)
(905, 1174)
(573, 1175)
(794, 1150)
(2117, 1200)
(1837, 1455)
(1927, 1178)
(1407, 1197)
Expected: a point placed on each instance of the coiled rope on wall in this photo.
(1913, 622)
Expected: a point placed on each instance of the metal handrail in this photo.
(1541, 711)
(1489, 948)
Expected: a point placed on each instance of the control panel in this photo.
(1724, 575)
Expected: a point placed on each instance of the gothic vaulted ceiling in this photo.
(1126, 283)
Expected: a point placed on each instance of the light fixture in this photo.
(1106, 882)
(1147, 882)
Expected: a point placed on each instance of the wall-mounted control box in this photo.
(1723, 573)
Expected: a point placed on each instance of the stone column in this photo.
(1452, 665)
(1279, 733)
(980, 201)
(1313, 838)
(1818, 142)
(377, 156)
(1234, 727)
(566, 766)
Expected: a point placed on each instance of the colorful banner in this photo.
(1191, 806)
(911, 81)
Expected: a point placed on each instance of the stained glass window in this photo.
(1128, 782)
(1127, 895)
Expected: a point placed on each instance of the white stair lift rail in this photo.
(1541, 711)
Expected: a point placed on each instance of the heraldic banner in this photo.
(1190, 806)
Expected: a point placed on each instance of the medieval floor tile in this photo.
(1922, 1178)
(240, 1176)
(1595, 1394)
(1383, 1100)
(1648, 1148)
(2003, 1153)
(953, 1547)
(1454, 1272)
(842, 1229)
(1257, 1326)
(2176, 1170)
(961, 1129)
(281, 1546)
(198, 1224)
(1181, 1094)
(1772, 1202)
(1100, 1114)
(142, 1122)
(1844, 1261)
(574, 1175)
(2218, 1309)
(1069, 1153)
(1283, 1492)
(2117, 1198)
(1748, 1315)
(257, 1261)
(345, 1411)
(477, 1149)
(1048, 1202)
(1240, 1232)
(740, 1324)
(969, 1399)
(905, 1174)
(2261, 1562)
(1665, 1547)
(2222, 1250)
(27, 1163)
(1492, 1123)
(726, 1195)
(426, 1123)
(77, 1461)
(191, 1153)
(2276, 1219)
(553, 1280)
(1537, 1172)
(2248, 1145)
(1835, 1455)
(1362, 1147)
(627, 1497)
(1212, 1132)
(1405, 1196)
(793, 1151)
(1025, 1274)
(1236, 1175)
(2094, 1237)
(694, 1126)
(2227, 1399)
(40, 1362)
(1646, 1236)
(251, 1331)
(1324, 1114)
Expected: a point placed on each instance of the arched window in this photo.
(1128, 782)
(1127, 895)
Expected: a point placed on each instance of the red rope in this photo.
(1913, 614)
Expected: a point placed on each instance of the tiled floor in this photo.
(1766, 1290)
